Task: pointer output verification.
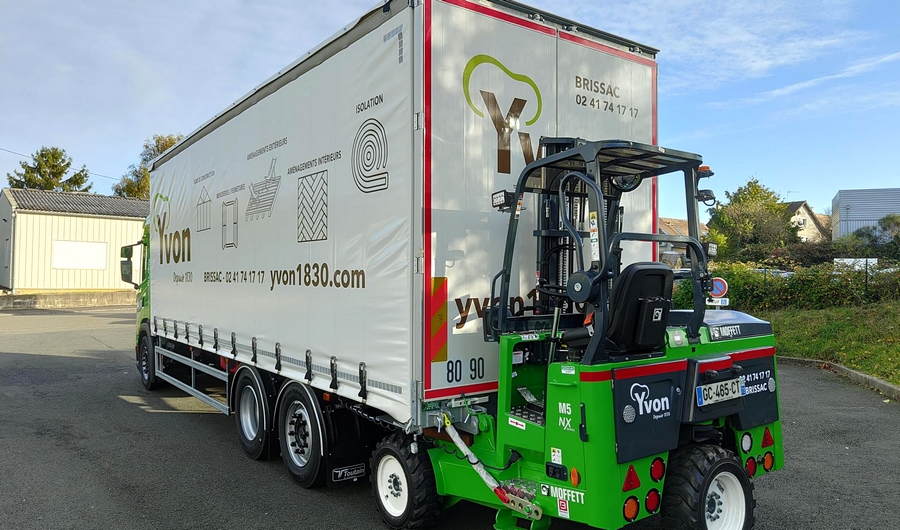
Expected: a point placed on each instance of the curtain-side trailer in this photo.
(327, 246)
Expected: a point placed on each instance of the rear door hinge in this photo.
(420, 264)
(417, 121)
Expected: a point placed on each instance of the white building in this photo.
(854, 209)
(52, 241)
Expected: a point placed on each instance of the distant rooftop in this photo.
(678, 227)
(76, 203)
(792, 207)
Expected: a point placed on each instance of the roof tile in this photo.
(76, 203)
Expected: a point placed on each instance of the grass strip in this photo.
(865, 338)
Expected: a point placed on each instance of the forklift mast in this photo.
(577, 188)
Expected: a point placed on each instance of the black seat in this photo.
(639, 307)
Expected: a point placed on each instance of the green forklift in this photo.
(612, 406)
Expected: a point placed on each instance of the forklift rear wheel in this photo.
(403, 484)
(707, 488)
(147, 364)
(300, 442)
(251, 414)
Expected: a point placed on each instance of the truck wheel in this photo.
(403, 484)
(147, 364)
(251, 414)
(300, 442)
(707, 488)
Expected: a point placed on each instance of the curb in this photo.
(888, 389)
(64, 300)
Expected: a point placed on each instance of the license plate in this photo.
(721, 391)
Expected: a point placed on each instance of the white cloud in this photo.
(859, 68)
(705, 43)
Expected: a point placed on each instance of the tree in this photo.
(47, 171)
(890, 227)
(754, 216)
(136, 182)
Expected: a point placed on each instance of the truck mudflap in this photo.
(647, 401)
(761, 388)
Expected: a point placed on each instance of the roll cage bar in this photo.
(598, 173)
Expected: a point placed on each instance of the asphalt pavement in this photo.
(84, 446)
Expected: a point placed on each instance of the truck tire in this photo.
(251, 414)
(403, 484)
(707, 488)
(301, 445)
(147, 364)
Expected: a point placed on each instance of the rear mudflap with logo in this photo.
(350, 444)
(647, 401)
(761, 398)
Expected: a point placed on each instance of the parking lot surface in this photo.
(84, 446)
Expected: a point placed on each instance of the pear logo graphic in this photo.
(504, 125)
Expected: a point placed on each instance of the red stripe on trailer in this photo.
(595, 377)
(651, 369)
(457, 390)
(429, 310)
(654, 199)
(500, 15)
(753, 354)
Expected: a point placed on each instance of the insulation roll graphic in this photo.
(370, 157)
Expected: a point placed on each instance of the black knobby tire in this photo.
(403, 484)
(707, 488)
(299, 436)
(147, 364)
(251, 414)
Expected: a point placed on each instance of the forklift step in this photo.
(529, 413)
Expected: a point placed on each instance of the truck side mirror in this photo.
(126, 267)
(126, 272)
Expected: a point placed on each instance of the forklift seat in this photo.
(639, 308)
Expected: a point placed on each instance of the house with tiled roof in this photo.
(811, 227)
(675, 254)
(65, 241)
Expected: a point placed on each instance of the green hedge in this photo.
(753, 289)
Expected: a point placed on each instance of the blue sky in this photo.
(802, 95)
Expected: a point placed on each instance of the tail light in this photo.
(768, 461)
(657, 469)
(751, 466)
(651, 503)
(631, 509)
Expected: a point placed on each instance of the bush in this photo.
(754, 289)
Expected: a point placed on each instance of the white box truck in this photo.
(326, 246)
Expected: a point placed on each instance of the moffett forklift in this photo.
(612, 406)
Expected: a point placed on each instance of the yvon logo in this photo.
(504, 125)
(174, 246)
(641, 395)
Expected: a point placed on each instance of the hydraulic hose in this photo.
(489, 480)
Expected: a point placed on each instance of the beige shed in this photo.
(57, 241)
